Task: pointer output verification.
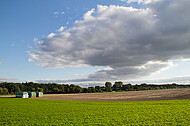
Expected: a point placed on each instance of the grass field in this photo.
(16, 111)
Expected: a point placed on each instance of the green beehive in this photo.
(32, 94)
(39, 94)
(21, 94)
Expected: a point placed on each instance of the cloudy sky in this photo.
(90, 42)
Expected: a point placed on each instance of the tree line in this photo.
(53, 88)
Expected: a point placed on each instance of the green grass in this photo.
(17, 111)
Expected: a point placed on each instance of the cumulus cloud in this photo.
(51, 35)
(61, 29)
(132, 42)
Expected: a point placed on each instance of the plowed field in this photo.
(151, 95)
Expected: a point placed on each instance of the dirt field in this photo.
(151, 95)
(167, 94)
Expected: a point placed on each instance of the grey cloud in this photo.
(178, 80)
(92, 84)
(84, 81)
(133, 42)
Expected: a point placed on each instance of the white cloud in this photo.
(130, 1)
(1, 62)
(88, 15)
(35, 40)
(56, 12)
(61, 29)
(79, 74)
(6, 79)
(28, 46)
(132, 42)
(62, 12)
(140, 1)
(51, 35)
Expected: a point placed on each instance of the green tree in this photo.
(127, 87)
(1, 90)
(91, 90)
(78, 89)
(108, 86)
(62, 89)
(72, 88)
(40, 89)
(5, 91)
(85, 90)
(17, 89)
(98, 89)
(117, 86)
(55, 90)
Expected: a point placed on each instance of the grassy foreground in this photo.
(16, 111)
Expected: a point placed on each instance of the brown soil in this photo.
(151, 95)
(7, 96)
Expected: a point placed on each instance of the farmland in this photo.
(151, 95)
(17, 111)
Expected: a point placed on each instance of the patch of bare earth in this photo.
(7, 96)
(151, 95)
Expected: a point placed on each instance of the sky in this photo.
(91, 42)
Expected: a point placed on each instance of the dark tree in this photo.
(62, 89)
(40, 89)
(11, 88)
(91, 90)
(108, 86)
(1, 90)
(118, 84)
(98, 89)
(17, 89)
(78, 89)
(5, 91)
(55, 90)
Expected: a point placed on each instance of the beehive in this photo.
(21, 94)
(39, 94)
(32, 94)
